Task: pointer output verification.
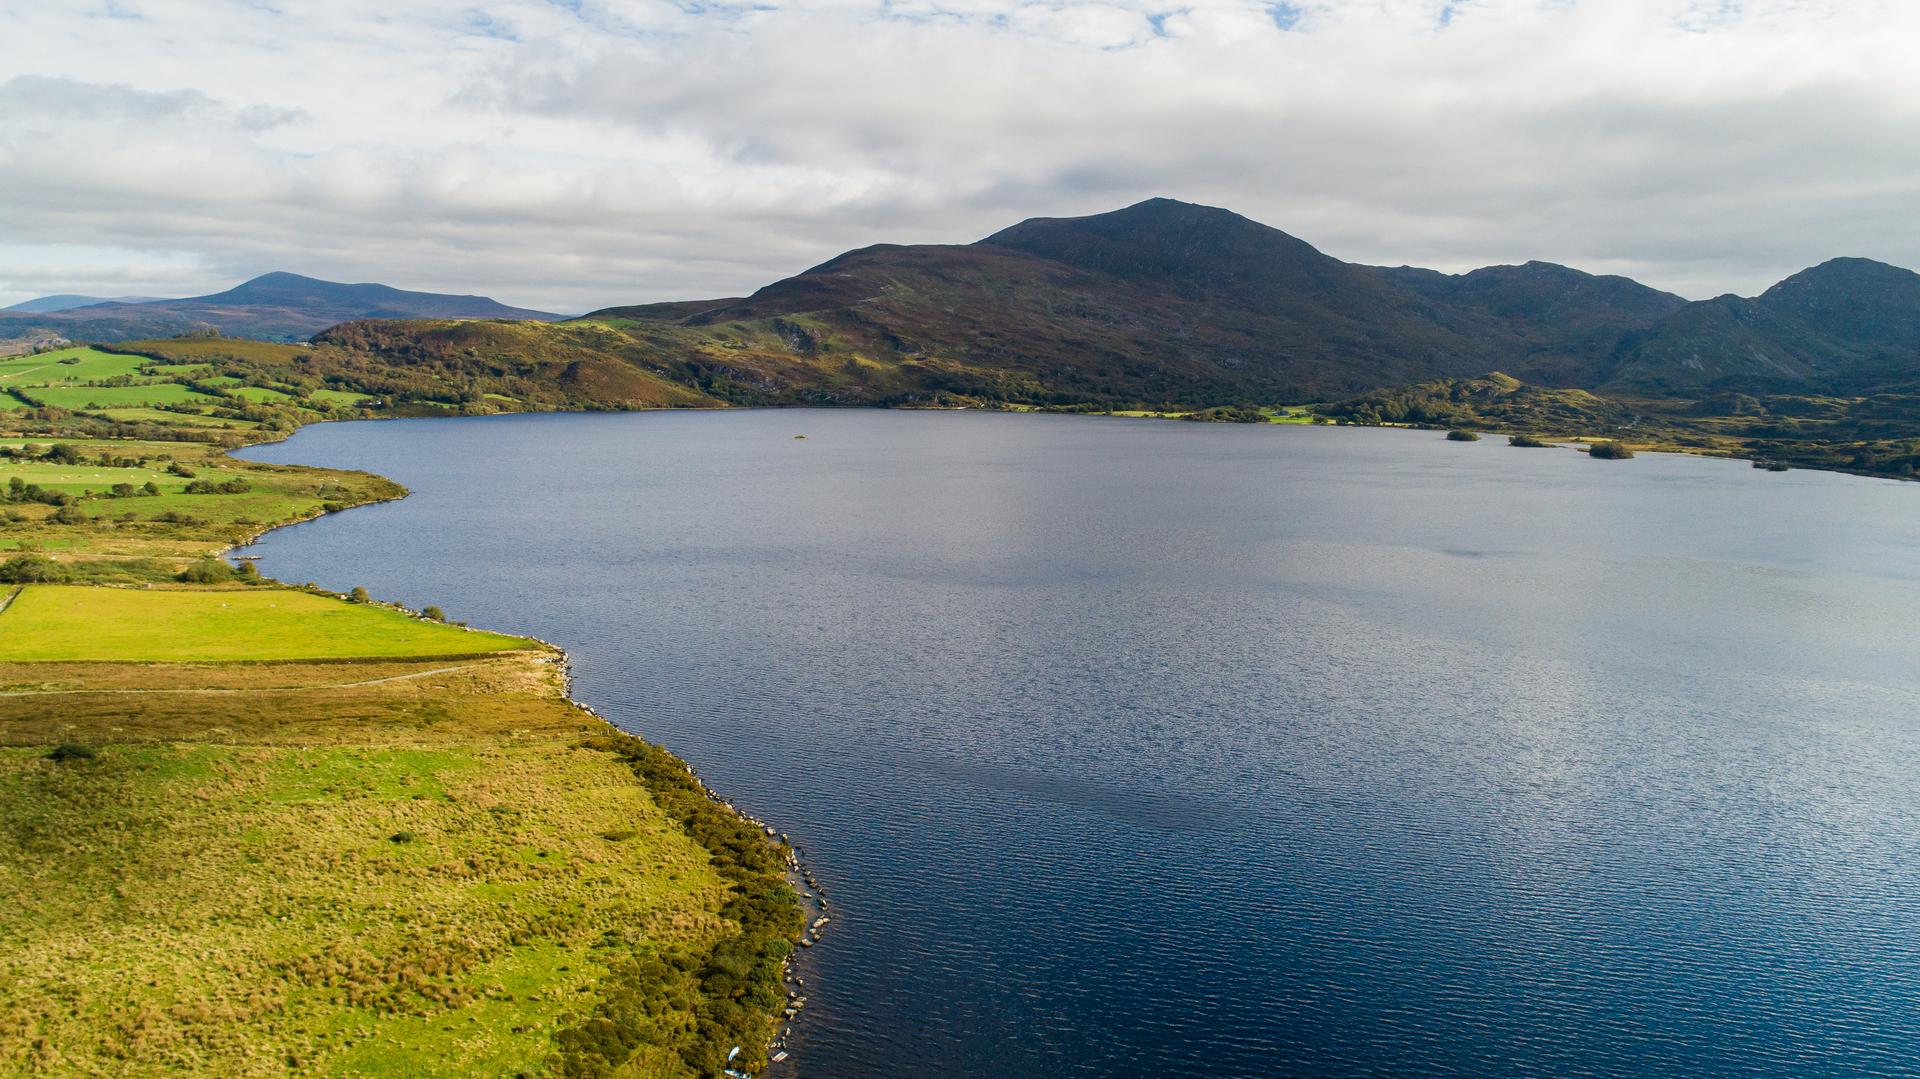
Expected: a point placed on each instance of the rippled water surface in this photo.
(1132, 748)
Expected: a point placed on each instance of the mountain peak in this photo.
(1181, 243)
(1848, 273)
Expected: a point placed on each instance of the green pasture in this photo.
(53, 368)
(84, 397)
(75, 622)
(175, 419)
(340, 397)
(261, 395)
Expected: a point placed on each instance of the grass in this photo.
(217, 888)
(176, 419)
(250, 830)
(260, 394)
(203, 522)
(66, 366)
(77, 622)
(341, 398)
(84, 397)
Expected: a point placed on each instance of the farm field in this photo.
(178, 419)
(78, 622)
(66, 366)
(89, 397)
(176, 523)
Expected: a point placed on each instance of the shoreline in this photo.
(809, 897)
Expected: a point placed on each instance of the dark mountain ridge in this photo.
(1166, 300)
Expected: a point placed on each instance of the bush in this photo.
(1457, 435)
(359, 595)
(72, 751)
(1609, 451)
(69, 515)
(207, 571)
(434, 613)
(400, 837)
(209, 487)
(32, 569)
(1528, 441)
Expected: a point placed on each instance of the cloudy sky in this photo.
(576, 153)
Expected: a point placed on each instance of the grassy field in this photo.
(261, 394)
(175, 524)
(86, 397)
(66, 366)
(176, 419)
(77, 622)
(383, 867)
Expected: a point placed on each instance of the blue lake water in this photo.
(1135, 748)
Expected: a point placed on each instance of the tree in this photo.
(359, 595)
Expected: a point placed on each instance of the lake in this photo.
(1144, 748)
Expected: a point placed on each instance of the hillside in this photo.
(271, 307)
(1846, 325)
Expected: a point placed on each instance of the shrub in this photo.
(72, 751)
(207, 571)
(400, 837)
(434, 613)
(1458, 435)
(210, 487)
(359, 595)
(32, 569)
(1527, 441)
(1610, 451)
(69, 515)
(180, 470)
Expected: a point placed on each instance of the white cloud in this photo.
(574, 155)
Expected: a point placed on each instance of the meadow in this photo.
(177, 523)
(77, 622)
(379, 867)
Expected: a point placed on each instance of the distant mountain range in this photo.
(1167, 301)
(66, 302)
(1162, 302)
(271, 307)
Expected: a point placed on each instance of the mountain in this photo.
(68, 301)
(1563, 323)
(1163, 301)
(272, 307)
(1849, 325)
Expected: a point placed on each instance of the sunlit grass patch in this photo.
(75, 622)
(83, 397)
(68, 365)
